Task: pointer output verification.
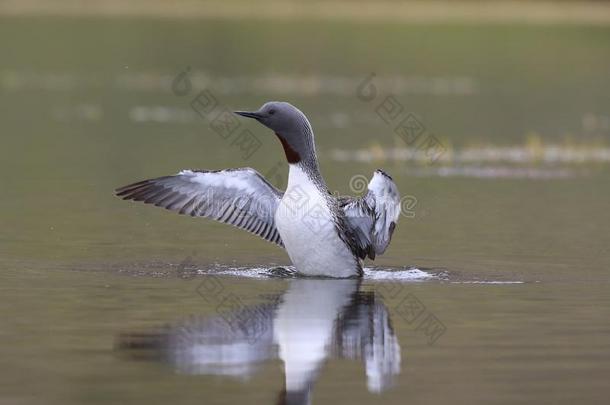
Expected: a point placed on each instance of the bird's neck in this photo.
(302, 157)
(302, 180)
(309, 166)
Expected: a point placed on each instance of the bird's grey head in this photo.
(290, 125)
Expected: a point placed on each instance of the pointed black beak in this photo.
(249, 114)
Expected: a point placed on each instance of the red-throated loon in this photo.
(322, 234)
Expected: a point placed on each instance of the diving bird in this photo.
(324, 235)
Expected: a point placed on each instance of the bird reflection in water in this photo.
(314, 320)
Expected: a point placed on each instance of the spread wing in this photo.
(240, 197)
(372, 218)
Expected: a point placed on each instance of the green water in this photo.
(84, 109)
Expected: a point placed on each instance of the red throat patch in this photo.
(291, 155)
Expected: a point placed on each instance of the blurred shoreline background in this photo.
(524, 11)
(517, 93)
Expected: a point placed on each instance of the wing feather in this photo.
(239, 197)
(373, 218)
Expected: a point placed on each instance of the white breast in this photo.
(308, 232)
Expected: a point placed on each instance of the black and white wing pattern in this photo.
(373, 217)
(240, 197)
